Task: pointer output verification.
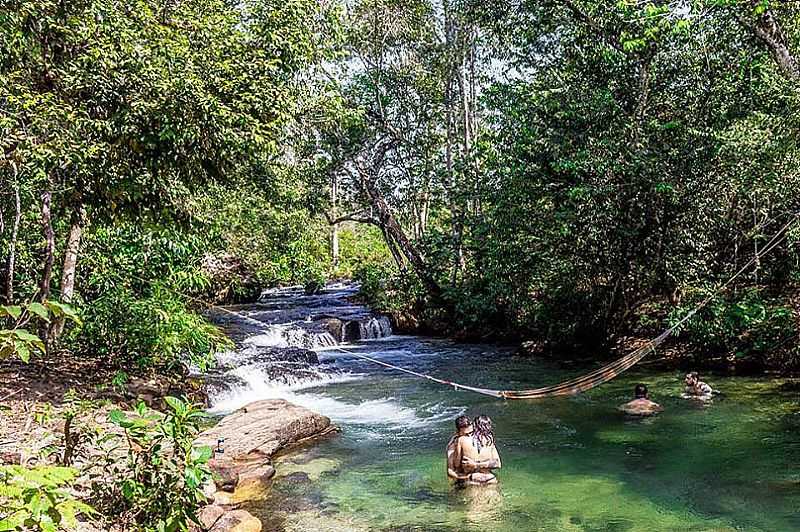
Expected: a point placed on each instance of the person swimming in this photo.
(695, 388)
(454, 469)
(477, 453)
(641, 404)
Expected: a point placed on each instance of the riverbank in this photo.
(703, 345)
(39, 416)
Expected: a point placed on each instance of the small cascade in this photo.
(377, 327)
(276, 336)
(281, 355)
(322, 340)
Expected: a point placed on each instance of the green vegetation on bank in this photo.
(574, 172)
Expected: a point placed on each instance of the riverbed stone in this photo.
(254, 485)
(265, 427)
(335, 327)
(223, 498)
(209, 515)
(237, 521)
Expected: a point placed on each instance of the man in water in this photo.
(695, 388)
(477, 453)
(454, 469)
(641, 404)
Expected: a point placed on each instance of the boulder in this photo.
(225, 472)
(237, 521)
(223, 498)
(335, 327)
(264, 427)
(209, 516)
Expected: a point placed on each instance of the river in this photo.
(569, 464)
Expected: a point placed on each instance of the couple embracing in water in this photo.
(471, 452)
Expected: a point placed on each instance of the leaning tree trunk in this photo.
(70, 267)
(394, 232)
(769, 31)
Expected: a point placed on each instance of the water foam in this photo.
(287, 336)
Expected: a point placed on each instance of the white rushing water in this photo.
(257, 369)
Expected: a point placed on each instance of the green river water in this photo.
(569, 464)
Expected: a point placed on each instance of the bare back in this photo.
(467, 448)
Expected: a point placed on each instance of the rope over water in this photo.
(609, 371)
(573, 386)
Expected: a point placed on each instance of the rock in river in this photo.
(265, 427)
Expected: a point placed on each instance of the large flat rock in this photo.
(265, 427)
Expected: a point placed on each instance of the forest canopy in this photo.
(572, 172)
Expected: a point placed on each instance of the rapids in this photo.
(569, 464)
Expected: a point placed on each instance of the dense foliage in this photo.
(160, 484)
(576, 172)
(571, 171)
(39, 499)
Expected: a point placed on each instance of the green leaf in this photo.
(14, 311)
(176, 404)
(39, 310)
(31, 339)
(62, 309)
(202, 454)
(119, 418)
(23, 351)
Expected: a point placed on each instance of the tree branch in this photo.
(592, 24)
(769, 31)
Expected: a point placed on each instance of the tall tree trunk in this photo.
(70, 267)
(50, 247)
(12, 246)
(335, 226)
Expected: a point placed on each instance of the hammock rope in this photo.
(578, 384)
(609, 371)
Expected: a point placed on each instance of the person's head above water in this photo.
(484, 431)
(463, 425)
(640, 391)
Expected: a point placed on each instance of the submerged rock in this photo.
(254, 485)
(265, 427)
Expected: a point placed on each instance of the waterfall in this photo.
(281, 356)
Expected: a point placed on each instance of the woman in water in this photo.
(477, 453)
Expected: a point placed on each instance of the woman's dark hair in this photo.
(640, 392)
(483, 432)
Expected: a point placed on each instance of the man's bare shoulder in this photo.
(451, 445)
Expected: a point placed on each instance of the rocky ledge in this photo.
(243, 471)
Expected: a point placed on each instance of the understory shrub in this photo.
(159, 330)
(39, 499)
(749, 326)
(159, 484)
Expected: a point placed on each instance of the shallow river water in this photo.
(571, 464)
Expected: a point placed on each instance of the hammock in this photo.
(584, 382)
(607, 372)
